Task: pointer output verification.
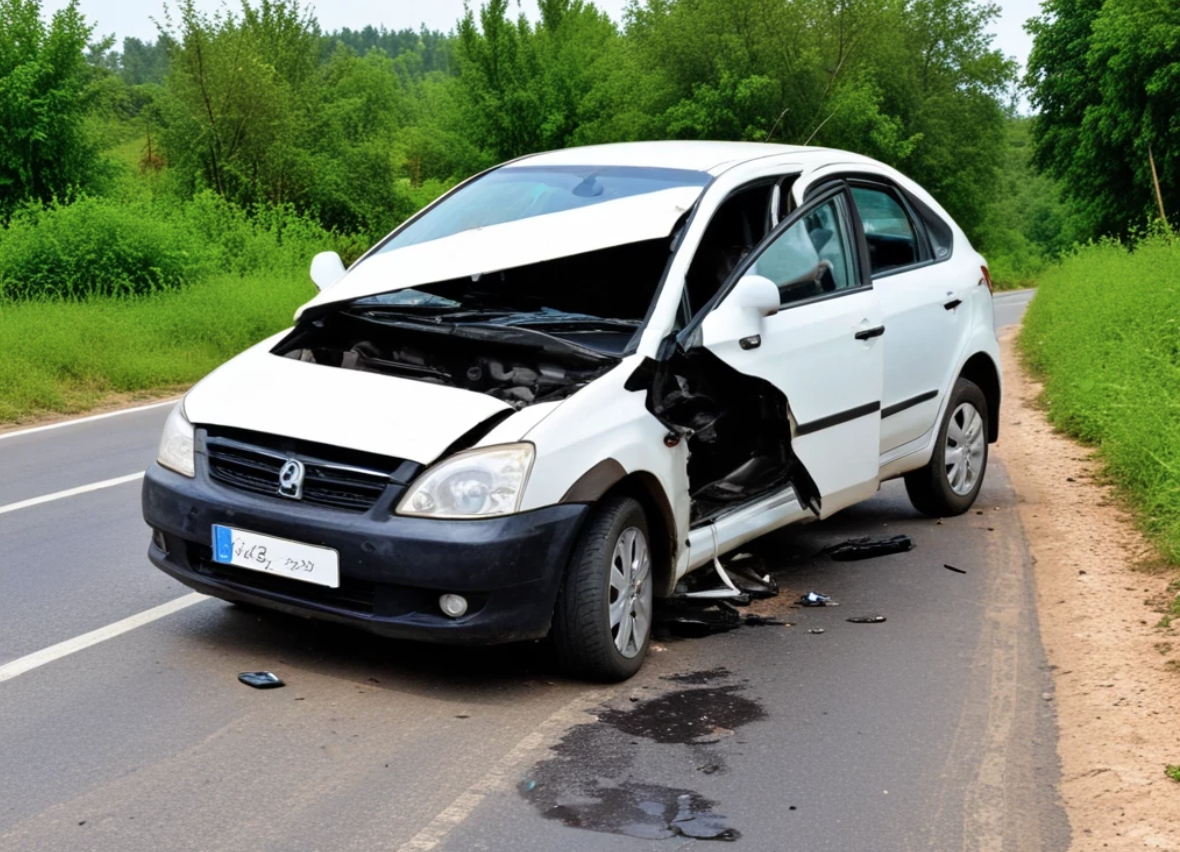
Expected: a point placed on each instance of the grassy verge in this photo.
(1104, 333)
(64, 357)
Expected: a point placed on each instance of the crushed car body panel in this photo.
(388, 415)
(480, 251)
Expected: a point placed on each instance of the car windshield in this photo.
(514, 193)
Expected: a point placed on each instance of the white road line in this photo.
(498, 778)
(89, 419)
(70, 492)
(79, 643)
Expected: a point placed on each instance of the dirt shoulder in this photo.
(109, 403)
(1117, 696)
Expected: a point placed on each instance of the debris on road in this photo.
(867, 619)
(816, 630)
(261, 680)
(816, 599)
(868, 548)
(953, 568)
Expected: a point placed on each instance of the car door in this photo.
(822, 349)
(924, 309)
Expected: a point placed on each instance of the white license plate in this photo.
(258, 552)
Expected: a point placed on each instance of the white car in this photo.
(576, 378)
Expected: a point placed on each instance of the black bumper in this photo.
(392, 568)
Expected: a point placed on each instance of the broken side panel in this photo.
(738, 431)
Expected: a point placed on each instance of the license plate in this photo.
(258, 552)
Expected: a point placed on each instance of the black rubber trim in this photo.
(870, 333)
(898, 407)
(836, 419)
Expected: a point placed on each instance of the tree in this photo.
(1105, 78)
(44, 151)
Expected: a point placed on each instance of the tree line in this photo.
(359, 128)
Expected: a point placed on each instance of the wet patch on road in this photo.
(604, 776)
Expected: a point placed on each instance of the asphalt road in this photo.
(927, 731)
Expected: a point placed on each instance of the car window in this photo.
(813, 257)
(513, 193)
(888, 229)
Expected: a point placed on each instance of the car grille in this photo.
(254, 465)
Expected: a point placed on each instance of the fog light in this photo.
(158, 540)
(453, 605)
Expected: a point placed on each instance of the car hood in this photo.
(513, 244)
(376, 413)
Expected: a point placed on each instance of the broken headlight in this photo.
(472, 484)
(176, 444)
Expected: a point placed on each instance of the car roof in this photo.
(713, 157)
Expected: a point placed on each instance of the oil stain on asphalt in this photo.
(595, 778)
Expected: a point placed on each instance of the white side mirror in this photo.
(326, 269)
(739, 315)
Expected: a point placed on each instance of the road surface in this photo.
(928, 731)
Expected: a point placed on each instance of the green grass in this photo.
(64, 357)
(1104, 333)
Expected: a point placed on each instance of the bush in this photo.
(1104, 330)
(98, 247)
(95, 248)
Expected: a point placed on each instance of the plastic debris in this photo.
(816, 630)
(953, 568)
(867, 619)
(816, 599)
(261, 680)
(763, 620)
(868, 548)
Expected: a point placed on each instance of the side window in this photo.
(889, 232)
(811, 258)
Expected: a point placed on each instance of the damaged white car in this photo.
(544, 400)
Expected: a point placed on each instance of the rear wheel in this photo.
(602, 622)
(949, 484)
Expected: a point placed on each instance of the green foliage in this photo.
(97, 248)
(44, 152)
(1105, 77)
(1027, 226)
(1172, 772)
(66, 356)
(1104, 329)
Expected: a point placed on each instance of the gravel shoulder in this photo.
(1116, 688)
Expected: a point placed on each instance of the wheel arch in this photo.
(982, 371)
(609, 478)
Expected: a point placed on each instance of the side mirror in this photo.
(739, 315)
(326, 269)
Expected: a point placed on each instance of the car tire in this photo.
(950, 482)
(607, 589)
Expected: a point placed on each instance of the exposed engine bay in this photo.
(738, 430)
(520, 366)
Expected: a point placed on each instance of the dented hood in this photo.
(484, 250)
(375, 413)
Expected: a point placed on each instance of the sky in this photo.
(133, 17)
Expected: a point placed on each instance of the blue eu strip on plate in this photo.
(223, 544)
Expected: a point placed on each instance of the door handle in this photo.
(870, 333)
(952, 304)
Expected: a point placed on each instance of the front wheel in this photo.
(949, 484)
(602, 622)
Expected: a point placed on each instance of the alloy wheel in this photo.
(630, 592)
(965, 447)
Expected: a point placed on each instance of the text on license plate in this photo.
(258, 552)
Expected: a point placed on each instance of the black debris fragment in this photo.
(762, 620)
(953, 568)
(816, 599)
(867, 619)
(261, 680)
(868, 548)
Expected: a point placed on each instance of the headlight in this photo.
(476, 483)
(176, 444)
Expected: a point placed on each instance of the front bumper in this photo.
(392, 568)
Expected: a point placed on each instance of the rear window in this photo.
(523, 192)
